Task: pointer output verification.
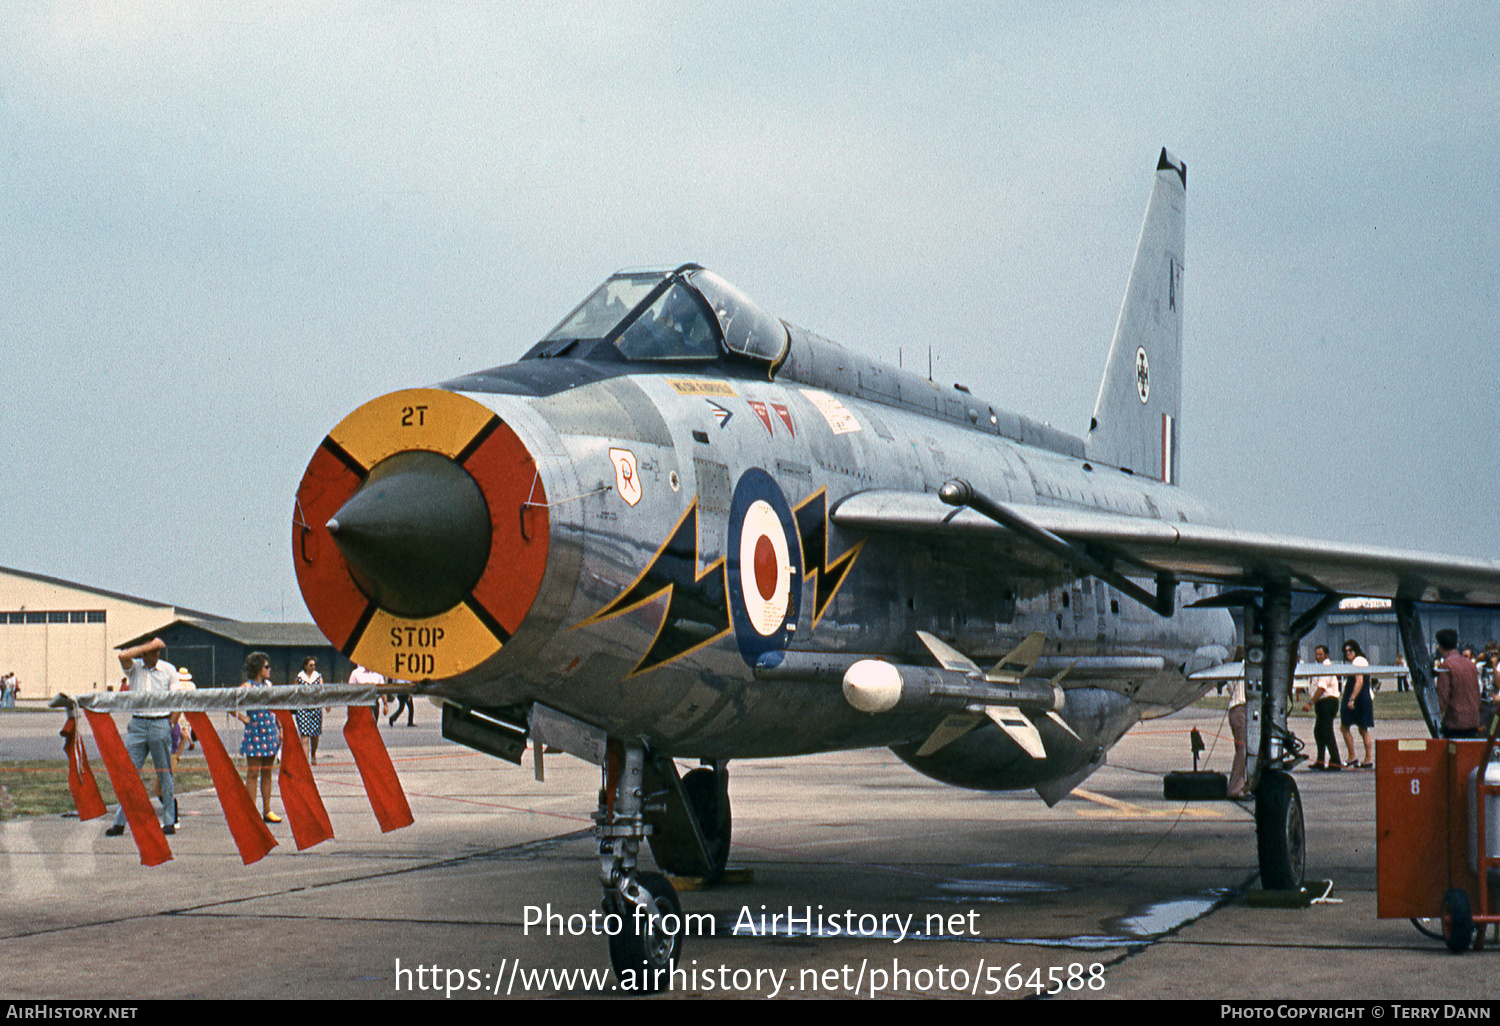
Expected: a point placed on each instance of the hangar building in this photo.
(58, 635)
(62, 636)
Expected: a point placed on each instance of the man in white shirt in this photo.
(1323, 700)
(151, 731)
(360, 675)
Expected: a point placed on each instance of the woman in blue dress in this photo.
(262, 737)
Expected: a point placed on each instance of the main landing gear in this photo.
(1280, 837)
(687, 822)
(693, 836)
(1270, 657)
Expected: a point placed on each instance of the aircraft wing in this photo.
(1191, 552)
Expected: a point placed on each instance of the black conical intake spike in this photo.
(416, 535)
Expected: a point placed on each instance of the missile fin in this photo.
(1018, 662)
(1063, 724)
(1021, 730)
(947, 656)
(950, 730)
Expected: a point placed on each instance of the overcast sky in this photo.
(225, 225)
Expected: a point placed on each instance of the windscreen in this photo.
(598, 315)
(676, 327)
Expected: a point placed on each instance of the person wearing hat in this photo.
(188, 740)
(150, 732)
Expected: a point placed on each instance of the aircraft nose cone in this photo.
(416, 535)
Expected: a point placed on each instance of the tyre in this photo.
(1280, 836)
(672, 844)
(644, 953)
(1458, 921)
(711, 807)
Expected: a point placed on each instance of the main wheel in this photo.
(710, 806)
(1458, 921)
(647, 949)
(676, 851)
(1280, 837)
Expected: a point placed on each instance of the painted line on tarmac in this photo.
(1114, 808)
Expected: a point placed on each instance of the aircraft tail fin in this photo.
(1135, 419)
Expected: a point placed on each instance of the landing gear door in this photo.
(1419, 665)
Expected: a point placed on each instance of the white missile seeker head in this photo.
(872, 686)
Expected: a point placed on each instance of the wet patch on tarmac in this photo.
(991, 891)
(1163, 917)
(1141, 926)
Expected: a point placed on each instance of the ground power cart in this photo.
(1434, 800)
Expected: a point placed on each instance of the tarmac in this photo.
(894, 886)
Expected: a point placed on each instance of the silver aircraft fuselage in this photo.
(707, 702)
(667, 531)
(680, 520)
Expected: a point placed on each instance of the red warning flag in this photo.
(251, 835)
(299, 792)
(374, 762)
(86, 797)
(145, 828)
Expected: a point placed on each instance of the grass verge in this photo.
(39, 787)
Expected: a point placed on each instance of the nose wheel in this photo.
(647, 948)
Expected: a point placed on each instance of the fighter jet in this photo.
(681, 529)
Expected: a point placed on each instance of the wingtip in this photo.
(1167, 162)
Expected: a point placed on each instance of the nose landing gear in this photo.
(648, 945)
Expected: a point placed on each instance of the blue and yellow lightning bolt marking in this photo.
(812, 530)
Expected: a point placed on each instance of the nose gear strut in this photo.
(648, 945)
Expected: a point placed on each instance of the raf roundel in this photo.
(765, 566)
(765, 569)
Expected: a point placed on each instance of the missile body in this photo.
(874, 686)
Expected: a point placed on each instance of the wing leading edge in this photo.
(1190, 552)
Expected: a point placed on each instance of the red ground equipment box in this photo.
(1434, 799)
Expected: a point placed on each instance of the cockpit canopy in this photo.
(687, 314)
